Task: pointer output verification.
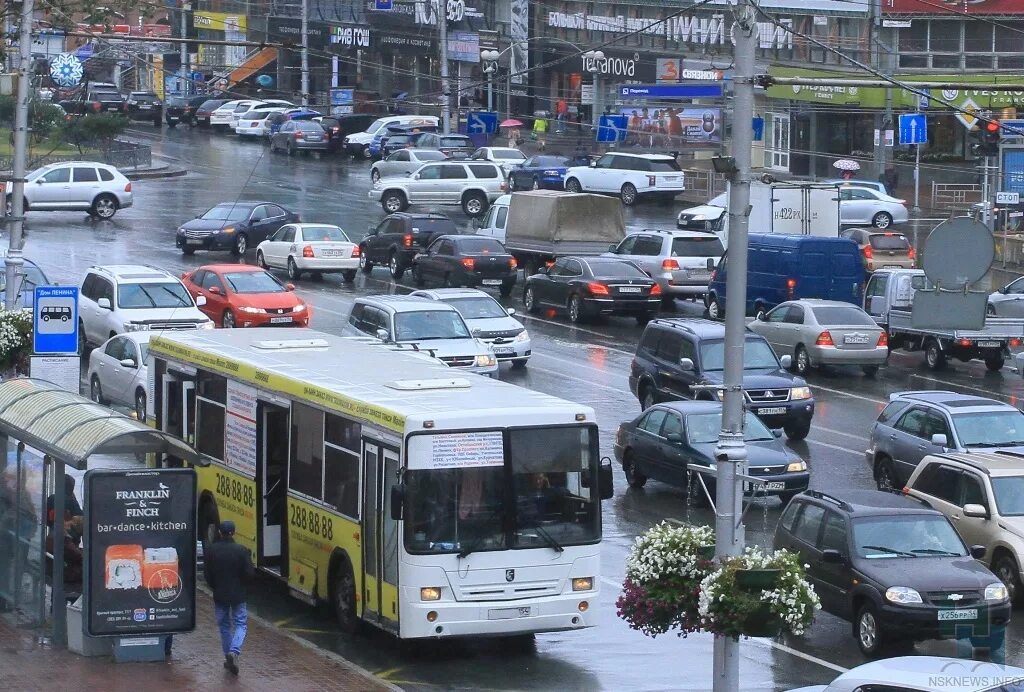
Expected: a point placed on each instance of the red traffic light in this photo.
(992, 126)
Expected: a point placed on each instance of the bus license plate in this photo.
(988, 344)
(508, 613)
(775, 410)
(280, 320)
(963, 614)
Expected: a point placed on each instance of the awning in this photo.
(70, 428)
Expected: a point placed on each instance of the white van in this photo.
(358, 144)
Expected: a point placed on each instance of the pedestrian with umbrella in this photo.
(511, 127)
(847, 168)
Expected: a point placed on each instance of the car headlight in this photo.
(996, 592)
(430, 593)
(698, 217)
(902, 594)
(136, 327)
(795, 466)
(181, 231)
(299, 308)
(721, 394)
(485, 361)
(800, 393)
(583, 584)
(378, 185)
(522, 336)
(246, 308)
(208, 324)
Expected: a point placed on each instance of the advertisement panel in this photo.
(974, 7)
(140, 544)
(667, 126)
(464, 46)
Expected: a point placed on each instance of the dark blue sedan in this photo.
(540, 172)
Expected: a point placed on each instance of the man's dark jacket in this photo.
(228, 569)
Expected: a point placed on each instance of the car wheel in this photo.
(643, 319)
(797, 431)
(290, 149)
(506, 289)
(241, 245)
(575, 309)
(802, 361)
(374, 175)
(530, 301)
(695, 495)
(349, 275)
(1008, 572)
(994, 362)
(885, 475)
(365, 265)
(474, 204)
(869, 370)
(448, 282)
(83, 343)
(786, 497)
(628, 194)
(104, 207)
(367, 154)
(140, 406)
(395, 266)
(934, 356)
(519, 363)
(882, 219)
(171, 124)
(633, 477)
(96, 390)
(188, 251)
(868, 630)
(647, 398)
(573, 185)
(228, 320)
(715, 309)
(293, 271)
(393, 202)
(260, 261)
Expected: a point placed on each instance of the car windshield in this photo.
(32, 273)
(433, 226)
(164, 295)
(890, 241)
(519, 488)
(325, 233)
(836, 315)
(697, 247)
(227, 212)
(757, 355)
(376, 125)
(308, 126)
(704, 428)
(253, 282)
(512, 154)
(1003, 428)
(1009, 491)
(480, 246)
(479, 308)
(426, 325)
(909, 535)
(616, 270)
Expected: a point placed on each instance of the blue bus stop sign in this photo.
(55, 323)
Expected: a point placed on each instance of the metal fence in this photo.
(703, 184)
(122, 155)
(955, 195)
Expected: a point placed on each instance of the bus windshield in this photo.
(543, 494)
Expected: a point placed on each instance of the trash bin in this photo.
(78, 641)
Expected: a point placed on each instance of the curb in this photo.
(155, 175)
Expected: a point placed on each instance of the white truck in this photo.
(889, 297)
(789, 208)
(540, 225)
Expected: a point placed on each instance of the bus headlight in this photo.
(800, 393)
(485, 361)
(583, 584)
(430, 593)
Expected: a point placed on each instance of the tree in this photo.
(94, 130)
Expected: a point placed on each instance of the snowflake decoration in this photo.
(66, 70)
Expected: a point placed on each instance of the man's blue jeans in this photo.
(234, 617)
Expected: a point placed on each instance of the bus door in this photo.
(178, 411)
(272, 478)
(380, 534)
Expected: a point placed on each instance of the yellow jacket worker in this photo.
(540, 129)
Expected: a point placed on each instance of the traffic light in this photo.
(989, 136)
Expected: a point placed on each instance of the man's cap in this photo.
(227, 527)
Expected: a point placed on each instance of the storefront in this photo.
(219, 26)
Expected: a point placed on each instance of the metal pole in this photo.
(305, 52)
(731, 452)
(184, 48)
(596, 107)
(490, 90)
(446, 92)
(917, 183)
(60, 606)
(986, 210)
(14, 261)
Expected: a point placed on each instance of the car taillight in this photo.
(964, 342)
(656, 290)
(597, 289)
(868, 252)
(790, 286)
(1015, 342)
(299, 135)
(96, 106)
(407, 240)
(650, 180)
(469, 263)
(911, 253)
(824, 339)
(883, 339)
(714, 274)
(128, 187)
(307, 251)
(335, 129)
(504, 187)
(902, 201)
(512, 264)
(669, 265)
(356, 252)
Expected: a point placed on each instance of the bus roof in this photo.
(370, 382)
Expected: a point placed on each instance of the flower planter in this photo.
(762, 622)
(706, 552)
(756, 579)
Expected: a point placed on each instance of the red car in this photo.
(238, 295)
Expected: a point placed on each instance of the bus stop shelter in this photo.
(44, 430)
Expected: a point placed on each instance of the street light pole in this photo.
(185, 7)
(731, 453)
(594, 61)
(14, 261)
(446, 91)
(490, 59)
(305, 53)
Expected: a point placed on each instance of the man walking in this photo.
(228, 569)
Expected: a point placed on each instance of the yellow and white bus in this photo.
(426, 502)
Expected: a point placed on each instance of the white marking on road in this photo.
(617, 390)
(840, 432)
(799, 654)
(986, 392)
(835, 447)
(847, 394)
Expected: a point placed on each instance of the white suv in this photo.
(86, 186)
(680, 261)
(129, 298)
(630, 176)
(472, 184)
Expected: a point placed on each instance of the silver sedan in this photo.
(824, 332)
(1008, 301)
(404, 162)
(118, 372)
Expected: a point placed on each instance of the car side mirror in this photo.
(686, 364)
(510, 311)
(397, 501)
(289, 287)
(975, 511)
(593, 164)
(978, 551)
(786, 361)
(128, 363)
(605, 480)
(761, 317)
(777, 433)
(674, 438)
(831, 556)
(415, 176)
(200, 301)
(711, 264)
(939, 440)
(39, 181)
(104, 303)
(382, 334)
(215, 290)
(612, 247)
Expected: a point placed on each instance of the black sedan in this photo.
(593, 286)
(205, 109)
(454, 260)
(660, 442)
(540, 172)
(235, 226)
(182, 109)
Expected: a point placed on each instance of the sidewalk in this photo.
(271, 661)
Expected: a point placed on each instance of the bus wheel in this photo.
(208, 522)
(343, 598)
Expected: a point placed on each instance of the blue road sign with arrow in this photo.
(481, 122)
(913, 128)
(611, 128)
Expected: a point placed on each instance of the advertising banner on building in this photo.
(140, 547)
(288, 30)
(464, 46)
(655, 127)
(974, 7)
(519, 60)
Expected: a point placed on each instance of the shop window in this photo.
(977, 37)
(982, 61)
(307, 460)
(944, 36)
(946, 61)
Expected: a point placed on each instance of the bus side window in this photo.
(341, 464)
(307, 461)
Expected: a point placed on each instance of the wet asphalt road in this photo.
(586, 364)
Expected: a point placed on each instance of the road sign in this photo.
(913, 128)
(55, 327)
(967, 117)
(611, 128)
(671, 91)
(1007, 198)
(924, 101)
(481, 122)
(382, 5)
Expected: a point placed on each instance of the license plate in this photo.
(749, 487)
(701, 276)
(771, 411)
(508, 613)
(855, 339)
(989, 344)
(630, 289)
(962, 614)
(491, 282)
(280, 320)
(503, 350)
(330, 253)
(193, 241)
(891, 266)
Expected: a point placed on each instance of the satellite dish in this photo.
(958, 253)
